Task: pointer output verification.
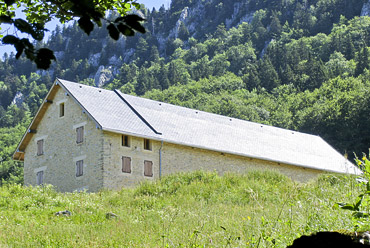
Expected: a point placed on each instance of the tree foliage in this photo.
(88, 12)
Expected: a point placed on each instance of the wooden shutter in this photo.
(80, 134)
(79, 168)
(40, 147)
(148, 168)
(126, 164)
(40, 178)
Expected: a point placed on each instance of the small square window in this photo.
(148, 168)
(147, 144)
(126, 164)
(39, 178)
(125, 140)
(79, 168)
(80, 134)
(61, 109)
(40, 147)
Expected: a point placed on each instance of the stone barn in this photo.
(87, 138)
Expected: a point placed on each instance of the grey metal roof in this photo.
(118, 112)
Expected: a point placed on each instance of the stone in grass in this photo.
(111, 215)
(332, 239)
(63, 213)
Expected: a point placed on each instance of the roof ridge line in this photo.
(136, 112)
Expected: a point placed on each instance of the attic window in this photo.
(79, 168)
(61, 109)
(125, 140)
(80, 135)
(40, 178)
(147, 144)
(40, 147)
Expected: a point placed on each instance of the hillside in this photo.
(297, 64)
(260, 209)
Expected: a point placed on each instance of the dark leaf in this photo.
(9, 2)
(360, 215)
(358, 203)
(96, 16)
(43, 58)
(6, 19)
(119, 19)
(125, 30)
(38, 33)
(133, 18)
(223, 228)
(86, 24)
(113, 31)
(346, 206)
(23, 26)
(137, 26)
(30, 54)
(10, 39)
(19, 49)
(27, 43)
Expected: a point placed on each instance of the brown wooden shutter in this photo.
(40, 178)
(79, 168)
(148, 168)
(40, 147)
(126, 164)
(80, 134)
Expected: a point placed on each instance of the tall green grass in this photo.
(199, 209)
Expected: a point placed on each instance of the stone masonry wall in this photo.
(114, 178)
(177, 158)
(61, 150)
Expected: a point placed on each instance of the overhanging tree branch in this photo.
(88, 12)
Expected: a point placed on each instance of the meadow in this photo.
(199, 209)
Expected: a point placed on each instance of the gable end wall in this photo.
(61, 151)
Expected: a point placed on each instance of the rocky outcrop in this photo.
(18, 99)
(103, 76)
(94, 59)
(365, 11)
(183, 16)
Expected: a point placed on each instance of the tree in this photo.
(88, 13)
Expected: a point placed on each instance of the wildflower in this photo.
(363, 158)
(359, 162)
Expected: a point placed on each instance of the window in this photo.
(79, 168)
(148, 168)
(147, 144)
(125, 141)
(40, 147)
(126, 164)
(40, 178)
(80, 134)
(61, 109)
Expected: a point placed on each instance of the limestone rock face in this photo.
(103, 76)
(366, 9)
(18, 99)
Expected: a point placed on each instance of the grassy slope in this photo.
(183, 210)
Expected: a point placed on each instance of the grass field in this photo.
(260, 209)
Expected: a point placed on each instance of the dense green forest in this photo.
(296, 64)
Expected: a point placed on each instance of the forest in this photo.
(296, 64)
